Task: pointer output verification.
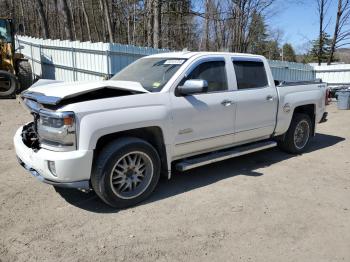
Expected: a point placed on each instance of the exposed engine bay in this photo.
(30, 136)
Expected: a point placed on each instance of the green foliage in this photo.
(257, 35)
(272, 51)
(313, 54)
(259, 42)
(289, 53)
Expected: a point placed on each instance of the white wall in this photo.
(334, 75)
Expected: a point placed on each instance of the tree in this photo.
(341, 34)
(43, 20)
(321, 9)
(105, 12)
(157, 23)
(288, 53)
(272, 50)
(257, 35)
(313, 54)
(213, 25)
(67, 18)
(87, 20)
(149, 19)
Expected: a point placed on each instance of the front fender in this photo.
(95, 125)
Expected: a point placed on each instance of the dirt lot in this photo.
(269, 206)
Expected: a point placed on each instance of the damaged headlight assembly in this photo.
(57, 130)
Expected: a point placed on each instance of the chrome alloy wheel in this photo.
(301, 134)
(131, 175)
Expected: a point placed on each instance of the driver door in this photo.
(205, 121)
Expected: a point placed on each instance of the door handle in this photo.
(227, 102)
(269, 98)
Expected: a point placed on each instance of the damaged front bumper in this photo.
(84, 185)
(72, 169)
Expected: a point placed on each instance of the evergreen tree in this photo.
(272, 51)
(257, 35)
(289, 53)
(314, 55)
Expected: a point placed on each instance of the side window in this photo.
(213, 72)
(250, 74)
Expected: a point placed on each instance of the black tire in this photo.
(290, 143)
(107, 161)
(8, 85)
(24, 74)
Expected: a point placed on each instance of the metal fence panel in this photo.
(73, 60)
(334, 75)
(291, 72)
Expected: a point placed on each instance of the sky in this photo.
(297, 19)
(300, 23)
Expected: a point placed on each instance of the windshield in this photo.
(5, 31)
(151, 73)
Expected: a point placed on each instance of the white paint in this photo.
(72, 89)
(334, 75)
(250, 117)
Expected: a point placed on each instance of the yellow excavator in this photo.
(15, 70)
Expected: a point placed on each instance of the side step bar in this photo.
(223, 155)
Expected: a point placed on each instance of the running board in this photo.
(223, 155)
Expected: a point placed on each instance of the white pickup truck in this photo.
(172, 110)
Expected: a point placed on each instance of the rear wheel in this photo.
(298, 135)
(24, 74)
(126, 172)
(8, 85)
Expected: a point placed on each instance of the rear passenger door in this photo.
(256, 100)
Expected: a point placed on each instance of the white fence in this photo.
(73, 61)
(334, 75)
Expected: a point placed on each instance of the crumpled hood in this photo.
(53, 92)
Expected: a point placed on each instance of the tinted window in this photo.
(213, 72)
(250, 74)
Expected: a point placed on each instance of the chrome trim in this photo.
(53, 144)
(246, 59)
(185, 131)
(203, 139)
(83, 184)
(204, 60)
(56, 114)
(32, 105)
(223, 155)
(62, 133)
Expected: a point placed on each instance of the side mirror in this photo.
(193, 86)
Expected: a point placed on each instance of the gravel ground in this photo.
(268, 206)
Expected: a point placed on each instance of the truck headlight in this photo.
(57, 130)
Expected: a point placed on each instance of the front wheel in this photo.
(126, 172)
(298, 135)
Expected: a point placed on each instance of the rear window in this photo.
(250, 74)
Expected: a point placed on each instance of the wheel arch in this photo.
(152, 134)
(310, 110)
